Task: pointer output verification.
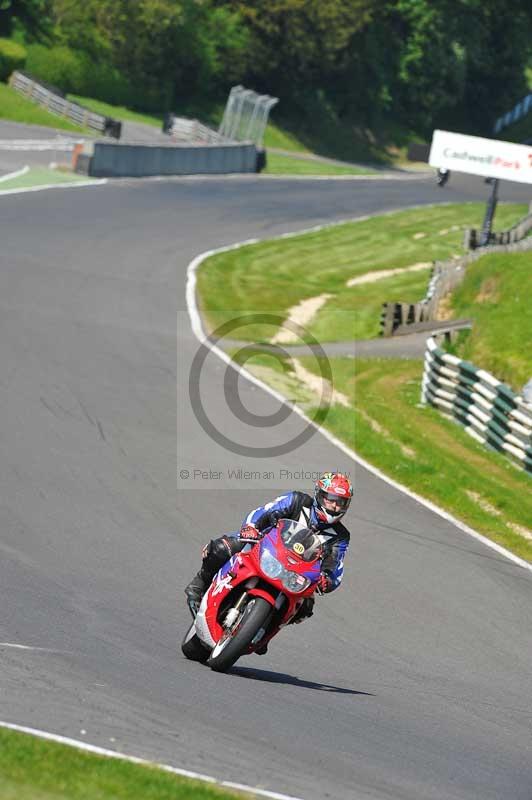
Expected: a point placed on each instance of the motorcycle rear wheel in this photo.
(229, 650)
(192, 648)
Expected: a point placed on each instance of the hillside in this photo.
(496, 296)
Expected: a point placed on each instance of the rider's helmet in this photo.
(332, 496)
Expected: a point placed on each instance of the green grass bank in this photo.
(283, 272)
(280, 164)
(43, 176)
(34, 769)
(496, 294)
(15, 107)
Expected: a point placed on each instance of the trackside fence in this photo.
(488, 409)
(515, 234)
(63, 108)
(446, 275)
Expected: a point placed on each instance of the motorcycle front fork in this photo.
(234, 612)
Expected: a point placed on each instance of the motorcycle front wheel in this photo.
(235, 641)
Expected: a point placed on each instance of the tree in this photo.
(179, 47)
(33, 16)
(297, 43)
(458, 61)
(496, 53)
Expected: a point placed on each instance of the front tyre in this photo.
(235, 641)
(192, 648)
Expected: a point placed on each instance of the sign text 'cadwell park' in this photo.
(477, 156)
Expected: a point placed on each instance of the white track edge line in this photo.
(102, 751)
(73, 185)
(11, 175)
(197, 328)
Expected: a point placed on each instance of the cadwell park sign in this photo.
(477, 156)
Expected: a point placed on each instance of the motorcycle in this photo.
(442, 176)
(259, 590)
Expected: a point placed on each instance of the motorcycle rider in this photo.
(442, 176)
(322, 513)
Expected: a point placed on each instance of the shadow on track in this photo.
(280, 677)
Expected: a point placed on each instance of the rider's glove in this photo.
(324, 584)
(250, 534)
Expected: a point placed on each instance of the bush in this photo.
(59, 66)
(12, 57)
(105, 82)
(76, 73)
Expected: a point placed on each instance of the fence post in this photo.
(387, 318)
(485, 234)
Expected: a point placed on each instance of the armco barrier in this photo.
(190, 131)
(488, 409)
(56, 104)
(110, 160)
(518, 112)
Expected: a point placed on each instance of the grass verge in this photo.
(42, 176)
(117, 112)
(33, 769)
(16, 108)
(278, 164)
(277, 136)
(280, 273)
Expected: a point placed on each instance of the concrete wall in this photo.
(122, 160)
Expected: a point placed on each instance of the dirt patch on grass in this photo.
(301, 315)
(521, 530)
(489, 291)
(485, 505)
(445, 231)
(445, 310)
(371, 277)
(321, 388)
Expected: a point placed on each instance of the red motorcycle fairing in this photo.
(243, 573)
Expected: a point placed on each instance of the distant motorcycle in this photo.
(443, 176)
(256, 592)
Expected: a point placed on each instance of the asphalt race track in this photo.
(413, 682)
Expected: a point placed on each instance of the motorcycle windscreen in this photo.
(301, 540)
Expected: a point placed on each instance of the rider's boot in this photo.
(305, 610)
(217, 552)
(195, 591)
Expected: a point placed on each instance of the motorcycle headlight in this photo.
(270, 565)
(294, 582)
